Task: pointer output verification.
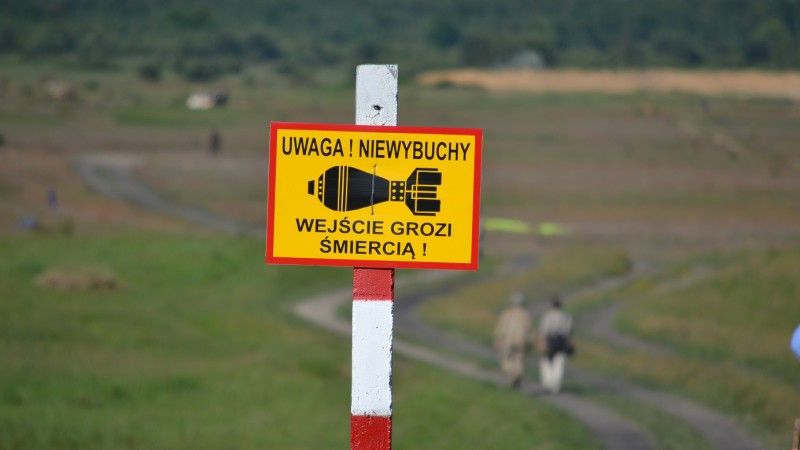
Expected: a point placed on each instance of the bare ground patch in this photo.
(750, 82)
(29, 173)
(79, 279)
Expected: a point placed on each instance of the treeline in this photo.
(204, 38)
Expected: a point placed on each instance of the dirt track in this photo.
(612, 430)
(112, 177)
(719, 431)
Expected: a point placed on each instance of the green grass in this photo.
(175, 117)
(730, 333)
(668, 432)
(745, 313)
(40, 118)
(6, 189)
(473, 310)
(757, 401)
(198, 350)
(195, 351)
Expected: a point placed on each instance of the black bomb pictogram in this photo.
(345, 188)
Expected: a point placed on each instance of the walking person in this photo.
(214, 142)
(554, 333)
(512, 339)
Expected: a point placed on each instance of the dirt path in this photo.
(719, 431)
(600, 322)
(611, 430)
(112, 177)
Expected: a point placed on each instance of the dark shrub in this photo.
(150, 72)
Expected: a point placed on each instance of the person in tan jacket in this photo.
(512, 339)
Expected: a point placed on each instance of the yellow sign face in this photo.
(366, 196)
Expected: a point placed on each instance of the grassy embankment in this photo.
(666, 164)
(197, 349)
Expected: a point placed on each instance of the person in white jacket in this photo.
(555, 329)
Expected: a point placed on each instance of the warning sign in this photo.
(366, 196)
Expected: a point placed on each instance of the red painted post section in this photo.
(373, 284)
(370, 433)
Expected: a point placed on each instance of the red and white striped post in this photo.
(373, 293)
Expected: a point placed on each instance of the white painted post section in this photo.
(373, 293)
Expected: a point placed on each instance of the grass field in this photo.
(741, 314)
(473, 310)
(670, 433)
(727, 334)
(731, 332)
(197, 348)
(612, 165)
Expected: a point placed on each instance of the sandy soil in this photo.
(750, 83)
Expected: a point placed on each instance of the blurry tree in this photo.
(677, 48)
(296, 72)
(226, 43)
(185, 16)
(477, 51)
(443, 32)
(95, 50)
(770, 42)
(483, 50)
(9, 41)
(543, 40)
(48, 40)
(197, 70)
(690, 33)
(367, 51)
(262, 46)
(150, 72)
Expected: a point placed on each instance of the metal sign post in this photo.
(373, 293)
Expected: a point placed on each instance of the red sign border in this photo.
(270, 258)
